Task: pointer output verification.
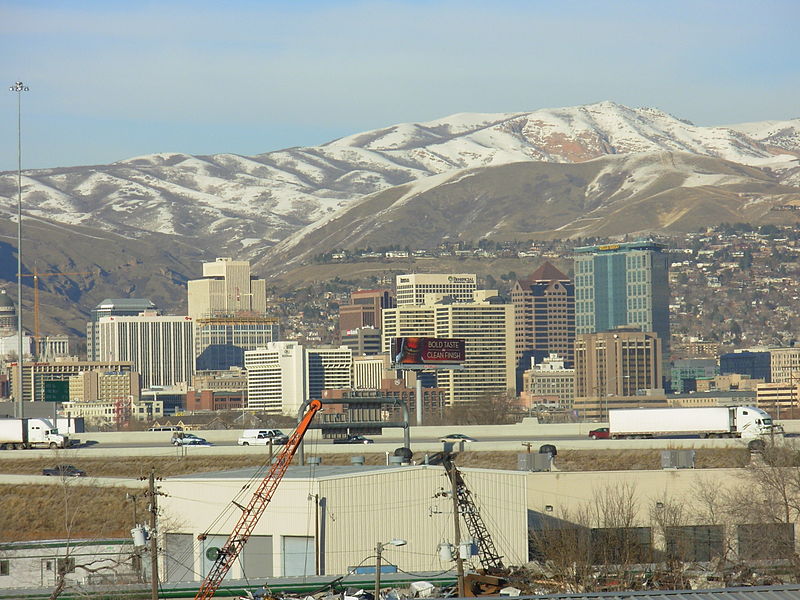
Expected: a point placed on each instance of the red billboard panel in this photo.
(418, 351)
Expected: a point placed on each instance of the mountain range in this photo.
(596, 170)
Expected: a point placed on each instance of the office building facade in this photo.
(544, 305)
(363, 341)
(619, 362)
(283, 375)
(623, 363)
(38, 376)
(485, 323)
(411, 289)
(623, 285)
(112, 307)
(104, 386)
(220, 342)
(756, 364)
(550, 382)
(227, 288)
(364, 309)
(160, 347)
(784, 365)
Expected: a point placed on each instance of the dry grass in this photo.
(35, 512)
(567, 460)
(40, 512)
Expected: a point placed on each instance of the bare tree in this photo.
(597, 546)
(494, 409)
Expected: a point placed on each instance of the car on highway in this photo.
(457, 437)
(601, 433)
(353, 439)
(188, 439)
(64, 471)
(262, 437)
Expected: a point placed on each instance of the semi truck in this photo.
(30, 433)
(745, 422)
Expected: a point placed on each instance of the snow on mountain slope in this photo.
(227, 200)
(782, 134)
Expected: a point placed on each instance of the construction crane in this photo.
(251, 513)
(487, 553)
(491, 577)
(36, 275)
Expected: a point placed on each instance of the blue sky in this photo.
(111, 80)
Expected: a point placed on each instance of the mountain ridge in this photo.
(591, 170)
(243, 205)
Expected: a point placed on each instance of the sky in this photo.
(111, 80)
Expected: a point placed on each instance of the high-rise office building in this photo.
(623, 285)
(550, 382)
(755, 363)
(784, 365)
(276, 378)
(160, 347)
(363, 341)
(220, 342)
(281, 376)
(544, 304)
(228, 307)
(364, 309)
(412, 288)
(485, 323)
(329, 368)
(112, 307)
(227, 288)
(622, 363)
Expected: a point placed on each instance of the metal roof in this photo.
(772, 592)
(293, 472)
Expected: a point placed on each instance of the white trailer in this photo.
(718, 421)
(30, 433)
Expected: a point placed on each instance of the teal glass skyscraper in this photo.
(623, 285)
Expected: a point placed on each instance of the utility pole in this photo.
(153, 535)
(457, 527)
(137, 553)
(19, 87)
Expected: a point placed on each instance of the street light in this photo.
(19, 87)
(379, 552)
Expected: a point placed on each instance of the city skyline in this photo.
(111, 82)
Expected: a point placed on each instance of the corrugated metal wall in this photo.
(363, 510)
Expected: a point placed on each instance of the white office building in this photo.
(412, 288)
(485, 323)
(283, 375)
(276, 378)
(227, 288)
(161, 348)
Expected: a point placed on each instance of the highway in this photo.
(425, 439)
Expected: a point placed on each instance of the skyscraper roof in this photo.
(546, 272)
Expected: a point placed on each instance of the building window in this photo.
(66, 565)
(766, 541)
(700, 543)
(620, 545)
(4, 568)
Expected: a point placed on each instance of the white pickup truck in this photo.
(262, 437)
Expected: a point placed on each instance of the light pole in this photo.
(379, 552)
(19, 87)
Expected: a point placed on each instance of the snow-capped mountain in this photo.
(608, 196)
(244, 205)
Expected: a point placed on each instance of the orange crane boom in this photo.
(36, 275)
(255, 508)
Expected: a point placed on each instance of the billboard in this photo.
(408, 352)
